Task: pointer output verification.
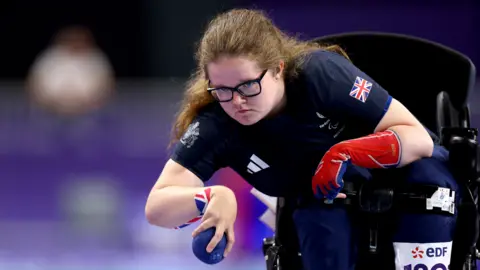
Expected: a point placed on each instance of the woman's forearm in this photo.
(415, 142)
(172, 206)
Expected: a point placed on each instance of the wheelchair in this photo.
(434, 83)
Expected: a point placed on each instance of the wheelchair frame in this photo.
(281, 251)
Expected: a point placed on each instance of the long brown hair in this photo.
(241, 32)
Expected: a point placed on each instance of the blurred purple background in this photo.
(73, 189)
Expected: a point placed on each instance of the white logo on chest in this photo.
(256, 164)
(327, 123)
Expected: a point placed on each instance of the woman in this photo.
(294, 119)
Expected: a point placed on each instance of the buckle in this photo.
(441, 199)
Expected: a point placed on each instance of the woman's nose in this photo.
(238, 99)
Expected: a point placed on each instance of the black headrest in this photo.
(413, 70)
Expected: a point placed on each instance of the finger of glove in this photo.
(339, 176)
(319, 186)
(319, 193)
(330, 198)
(324, 188)
(333, 188)
(332, 194)
(332, 191)
(337, 185)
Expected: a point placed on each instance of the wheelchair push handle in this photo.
(464, 155)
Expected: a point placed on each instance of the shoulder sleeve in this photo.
(341, 90)
(201, 148)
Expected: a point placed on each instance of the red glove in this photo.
(379, 150)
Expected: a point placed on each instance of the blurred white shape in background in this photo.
(72, 76)
(92, 210)
(269, 216)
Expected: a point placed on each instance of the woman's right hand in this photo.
(221, 213)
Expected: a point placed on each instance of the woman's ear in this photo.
(279, 69)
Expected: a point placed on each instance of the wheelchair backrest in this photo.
(413, 70)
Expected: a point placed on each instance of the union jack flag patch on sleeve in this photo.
(361, 89)
(201, 201)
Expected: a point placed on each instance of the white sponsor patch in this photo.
(422, 256)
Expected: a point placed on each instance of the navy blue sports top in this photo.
(330, 100)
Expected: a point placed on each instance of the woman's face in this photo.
(263, 89)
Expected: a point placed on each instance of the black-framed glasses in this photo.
(248, 88)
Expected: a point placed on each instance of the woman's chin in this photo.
(248, 118)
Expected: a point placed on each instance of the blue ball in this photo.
(200, 243)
